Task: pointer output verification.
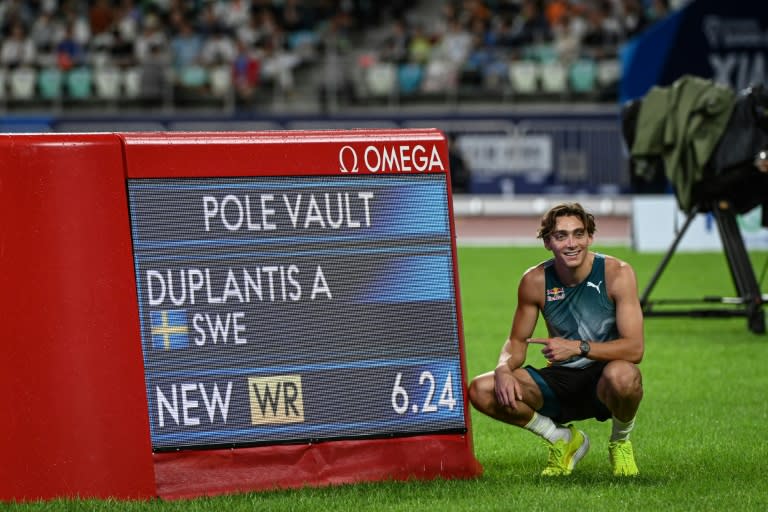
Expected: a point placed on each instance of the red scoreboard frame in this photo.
(77, 421)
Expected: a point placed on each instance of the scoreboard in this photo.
(202, 313)
(283, 309)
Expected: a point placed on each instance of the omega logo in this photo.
(396, 158)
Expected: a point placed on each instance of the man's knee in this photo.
(481, 391)
(622, 378)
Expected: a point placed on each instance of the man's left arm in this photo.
(622, 288)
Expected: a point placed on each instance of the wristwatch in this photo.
(584, 347)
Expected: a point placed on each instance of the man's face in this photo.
(569, 241)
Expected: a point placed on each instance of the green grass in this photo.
(699, 437)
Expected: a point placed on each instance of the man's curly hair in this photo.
(565, 209)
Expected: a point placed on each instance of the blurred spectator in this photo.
(250, 33)
(74, 24)
(530, 27)
(121, 50)
(395, 46)
(278, 65)
(13, 11)
(101, 17)
(186, 46)
(603, 32)
(336, 73)
(152, 37)
(207, 22)
(232, 14)
(269, 29)
(658, 9)
(419, 46)
(634, 18)
(295, 15)
(100, 49)
(473, 11)
(128, 20)
(454, 45)
(567, 41)
(18, 49)
(246, 70)
(483, 66)
(190, 76)
(555, 10)
(218, 48)
(70, 53)
(502, 32)
(43, 33)
(154, 79)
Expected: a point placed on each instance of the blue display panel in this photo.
(296, 309)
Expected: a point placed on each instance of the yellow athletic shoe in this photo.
(622, 458)
(564, 455)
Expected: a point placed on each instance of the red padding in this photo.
(212, 472)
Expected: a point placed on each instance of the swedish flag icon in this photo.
(169, 329)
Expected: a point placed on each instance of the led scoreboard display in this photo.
(273, 310)
(296, 309)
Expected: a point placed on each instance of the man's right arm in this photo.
(513, 352)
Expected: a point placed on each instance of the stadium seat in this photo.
(303, 42)
(193, 77)
(80, 83)
(608, 72)
(3, 80)
(49, 83)
(554, 78)
(409, 78)
(132, 82)
(524, 77)
(22, 83)
(381, 78)
(582, 76)
(220, 78)
(107, 83)
(544, 52)
(439, 76)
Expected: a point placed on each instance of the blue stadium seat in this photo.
(409, 78)
(543, 52)
(193, 76)
(582, 76)
(49, 83)
(80, 83)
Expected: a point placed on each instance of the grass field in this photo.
(699, 438)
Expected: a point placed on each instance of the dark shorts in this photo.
(570, 393)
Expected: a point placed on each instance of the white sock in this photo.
(621, 429)
(548, 429)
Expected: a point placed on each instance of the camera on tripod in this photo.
(711, 145)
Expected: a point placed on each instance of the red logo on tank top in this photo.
(555, 294)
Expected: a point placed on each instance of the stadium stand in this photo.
(249, 54)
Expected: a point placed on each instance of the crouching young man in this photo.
(595, 324)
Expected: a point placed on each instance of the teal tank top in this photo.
(581, 312)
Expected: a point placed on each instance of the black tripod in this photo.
(750, 301)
